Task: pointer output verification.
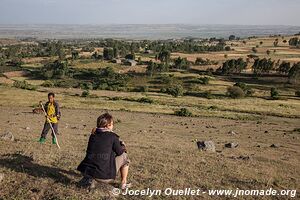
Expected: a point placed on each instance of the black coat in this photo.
(100, 162)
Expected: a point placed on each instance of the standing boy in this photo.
(53, 115)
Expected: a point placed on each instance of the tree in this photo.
(284, 67)
(275, 43)
(232, 37)
(274, 93)
(175, 90)
(247, 90)
(294, 74)
(57, 69)
(108, 53)
(262, 66)
(75, 55)
(181, 63)
(130, 56)
(235, 92)
(164, 56)
(254, 50)
(233, 66)
(227, 48)
(294, 42)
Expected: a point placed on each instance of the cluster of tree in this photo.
(153, 68)
(50, 48)
(284, 67)
(262, 66)
(294, 42)
(181, 63)
(201, 61)
(294, 74)
(56, 70)
(233, 66)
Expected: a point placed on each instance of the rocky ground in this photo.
(163, 150)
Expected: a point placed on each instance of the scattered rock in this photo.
(206, 146)
(274, 146)
(27, 128)
(143, 131)
(7, 136)
(266, 131)
(232, 133)
(231, 145)
(1, 177)
(244, 157)
(210, 126)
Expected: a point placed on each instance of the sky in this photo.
(233, 12)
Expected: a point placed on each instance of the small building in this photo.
(131, 63)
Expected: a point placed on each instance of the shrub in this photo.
(247, 90)
(297, 93)
(183, 112)
(24, 85)
(175, 91)
(204, 80)
(274, 93)
(142, 89)
(145, 100)
(86, 86)
(208, 95)
(85, 93)
(48, 84)
(235, 92)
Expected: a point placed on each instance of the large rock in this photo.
(8, 136)
(206, 146)
(231, 145)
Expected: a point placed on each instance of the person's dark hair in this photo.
(51, 94)
(104, 120)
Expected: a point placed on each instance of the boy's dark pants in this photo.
(47, 128)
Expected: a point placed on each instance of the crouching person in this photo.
(105, 156)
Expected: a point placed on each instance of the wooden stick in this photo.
(48, 120)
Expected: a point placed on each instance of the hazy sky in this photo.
(256, 12)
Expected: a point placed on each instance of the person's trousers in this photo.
(47, 128)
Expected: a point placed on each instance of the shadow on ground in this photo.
(25, 164)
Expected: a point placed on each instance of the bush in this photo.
(208, 94)
(142, 89)
(86, 86)
(183, 112)
(204, 80)
(85, 93)
(24, 85)
(235, 92)
(175, 91)
(48, 84)
(274, 93)
(247, 90)
(145, 100)
(297, 93)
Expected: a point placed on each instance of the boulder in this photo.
(206, 146)
(8, 136)
(232, 133)
(274, 146)
(231, 145)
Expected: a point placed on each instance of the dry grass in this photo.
(161, 150)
